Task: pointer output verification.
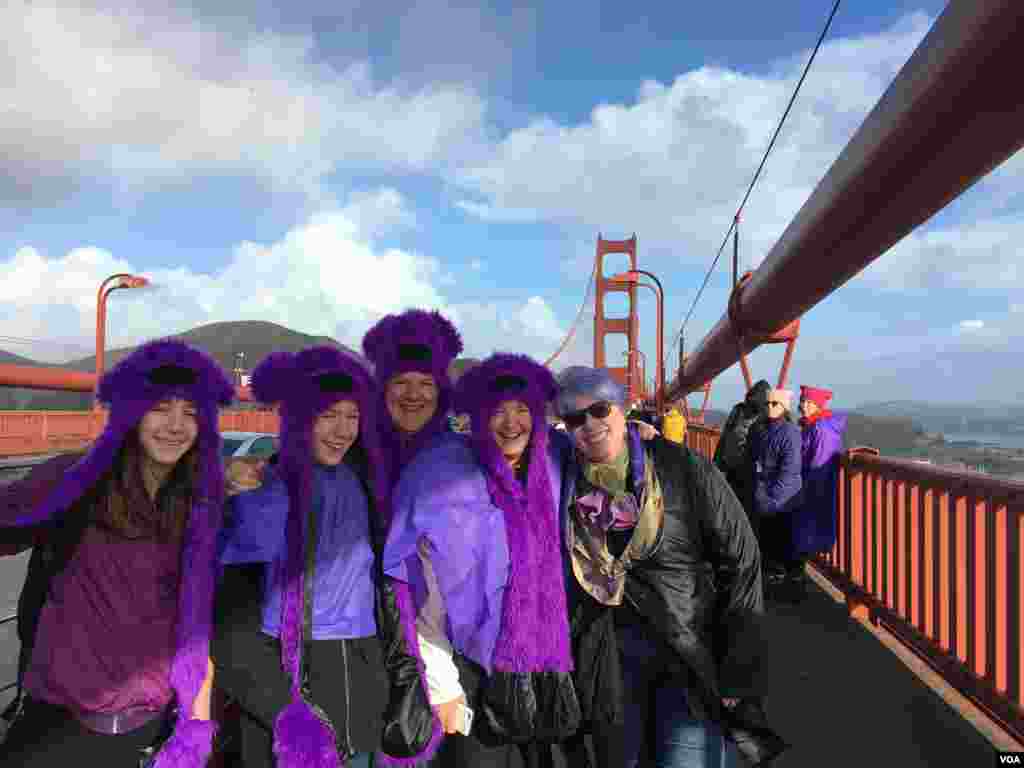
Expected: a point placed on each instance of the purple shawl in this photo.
(153, 372)
(534, 633)
(305, 384)
(444, 492)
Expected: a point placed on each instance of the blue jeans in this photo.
(361, 760)
(660, 730)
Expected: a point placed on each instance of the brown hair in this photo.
(125, 506)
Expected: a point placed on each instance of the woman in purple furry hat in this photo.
(474, 551)
(311, 677)
(411, 353)
(664, 594)
(125, 545)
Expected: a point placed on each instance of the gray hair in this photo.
(583, 381)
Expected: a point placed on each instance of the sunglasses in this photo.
(775, 404)
(576, 419)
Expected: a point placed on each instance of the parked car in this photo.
(238, 444)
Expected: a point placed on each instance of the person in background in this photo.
(821, 442)
(775, 449)
(733, 456)
(665, 595)
(674, 424)
(119, 653)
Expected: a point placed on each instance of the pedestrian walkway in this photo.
(844, 700)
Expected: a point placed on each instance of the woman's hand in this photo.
(448, 714)
(244, 474)
(647, 432)
(201, 706)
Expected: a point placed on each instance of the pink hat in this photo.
(819, 397)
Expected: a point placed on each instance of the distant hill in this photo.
(995, 418)
(224, 342)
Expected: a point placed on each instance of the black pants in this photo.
(347, 677)
(48, 736)
(777, 542)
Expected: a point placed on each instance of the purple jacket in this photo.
(814, 523)
(776, 454)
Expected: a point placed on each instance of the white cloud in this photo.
(476, 265)
(163, 96)
(673, 164)
(971, 325)
(327, 276)
(983, 256)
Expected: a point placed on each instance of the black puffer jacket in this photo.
(700, 589)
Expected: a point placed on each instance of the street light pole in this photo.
(108, 286)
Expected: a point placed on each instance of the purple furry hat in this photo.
(534, 633)
(424, 342)
(305, 384)
(156, 371)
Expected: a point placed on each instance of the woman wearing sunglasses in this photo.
(664, 594)
(775, 448)
(474, 547)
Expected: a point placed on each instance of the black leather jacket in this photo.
(700, 590)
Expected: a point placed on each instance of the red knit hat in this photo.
(819, 397)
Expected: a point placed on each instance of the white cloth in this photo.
(435, 649)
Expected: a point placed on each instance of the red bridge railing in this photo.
(24, 433)
(934, 556)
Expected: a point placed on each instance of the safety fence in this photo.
(934, 556)
(23, 433)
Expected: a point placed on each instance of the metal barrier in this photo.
(23, 433)
(934, 556)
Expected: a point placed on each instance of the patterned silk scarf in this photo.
(603, 502)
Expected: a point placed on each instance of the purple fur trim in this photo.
(534, 633)
(199, 569)
(128, 379)
(304, 740)
(473, 394)
(130, 394)
(414, 326)
(407, 613)
(380, 345)
(190, 746)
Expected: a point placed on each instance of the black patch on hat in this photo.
(172, 376)
(508, 383)
(334, 382)
(417, 353)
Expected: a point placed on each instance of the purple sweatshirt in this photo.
(106, 636)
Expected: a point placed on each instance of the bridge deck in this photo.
(843, 699)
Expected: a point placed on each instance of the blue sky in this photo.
(323, 164)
